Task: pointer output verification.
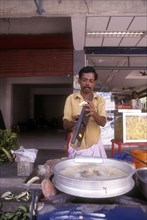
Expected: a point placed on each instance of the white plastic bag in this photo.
(23, 154)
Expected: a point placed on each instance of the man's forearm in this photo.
(67, 125)
(100, 120)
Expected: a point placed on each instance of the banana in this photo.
(28, 193)
(22, 194)
(33, 179)
(26, 199)
(6, 194)
(25, 196)
(8, 198)
(28, 196)
(7, 154)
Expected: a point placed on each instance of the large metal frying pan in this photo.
(99, 185)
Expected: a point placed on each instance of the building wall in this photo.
(37, 62)
(28, 60)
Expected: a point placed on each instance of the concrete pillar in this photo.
(5, 101)
(78, 62)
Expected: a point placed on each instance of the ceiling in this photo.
(121, 62)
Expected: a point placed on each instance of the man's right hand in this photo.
(68, 125)
(75, 119)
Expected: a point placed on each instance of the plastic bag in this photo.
(23, 154)
(123, 156)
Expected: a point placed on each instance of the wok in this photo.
(85, 177)
(141, 180)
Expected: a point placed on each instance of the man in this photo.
(136, 101)
(91, 144)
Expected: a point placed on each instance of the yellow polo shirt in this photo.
(93, 131)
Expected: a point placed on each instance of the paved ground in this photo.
(43, 139)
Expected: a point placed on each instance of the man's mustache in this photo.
(86, 87)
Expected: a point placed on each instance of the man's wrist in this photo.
(94, 113)
(72, 123)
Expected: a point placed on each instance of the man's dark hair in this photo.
(134, 93)
(88, 69)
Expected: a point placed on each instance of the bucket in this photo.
(140, 154)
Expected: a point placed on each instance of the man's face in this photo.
(134, 95)
(87, 82)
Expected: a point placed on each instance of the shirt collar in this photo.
(79, 96)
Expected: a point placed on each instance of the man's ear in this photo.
(95, 82)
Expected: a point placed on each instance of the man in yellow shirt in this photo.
(91, 144)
